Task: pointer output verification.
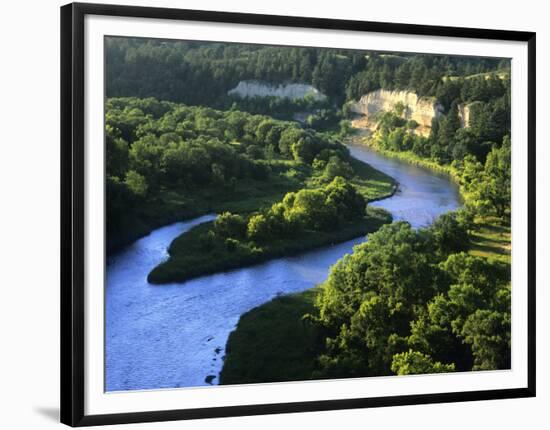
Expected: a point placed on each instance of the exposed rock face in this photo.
(263, 89)
(420, 109)
(464, 114)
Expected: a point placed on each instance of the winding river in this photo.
(174, 335)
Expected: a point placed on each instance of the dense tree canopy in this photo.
(319, 209)
(154, 146)
(412, 301)
(443, 77)
(201, 73)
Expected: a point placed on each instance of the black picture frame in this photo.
(72, 212)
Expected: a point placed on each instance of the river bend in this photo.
(174, 335)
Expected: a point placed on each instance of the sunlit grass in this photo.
(491, 238)
(272, 343)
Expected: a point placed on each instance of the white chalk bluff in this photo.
(464, 114)
(262, 89)
(420, 109)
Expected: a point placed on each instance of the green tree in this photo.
(136, 183)
(117, 153)
(449, 234)
(413, 362)
(258, 228)
(488, 333)
(399, 108)
(496, 188)
(145, 159)
(371, 296)
(446, 134)
(230, 225)
(309, 210)
(303, 150)
(345, 198)
(336, 167)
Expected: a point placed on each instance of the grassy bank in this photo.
(191, 256)
(371, 183)
(491, 239)
(272, 343)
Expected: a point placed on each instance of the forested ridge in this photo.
(201, 73)
(407, 301)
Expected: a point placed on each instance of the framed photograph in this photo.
(269, 214)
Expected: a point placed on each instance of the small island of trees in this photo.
(303, 220)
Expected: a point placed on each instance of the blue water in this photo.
(169, 336)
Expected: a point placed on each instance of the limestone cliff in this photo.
(263, 89)
(420, 109)
(464, 114)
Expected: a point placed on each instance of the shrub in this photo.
(230, 225)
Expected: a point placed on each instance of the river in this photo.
(174, 335)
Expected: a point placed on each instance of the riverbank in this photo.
(411, 158)
(191, 257)
(490, 236)
(193, 254)
(279, 335)
(260, 334)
